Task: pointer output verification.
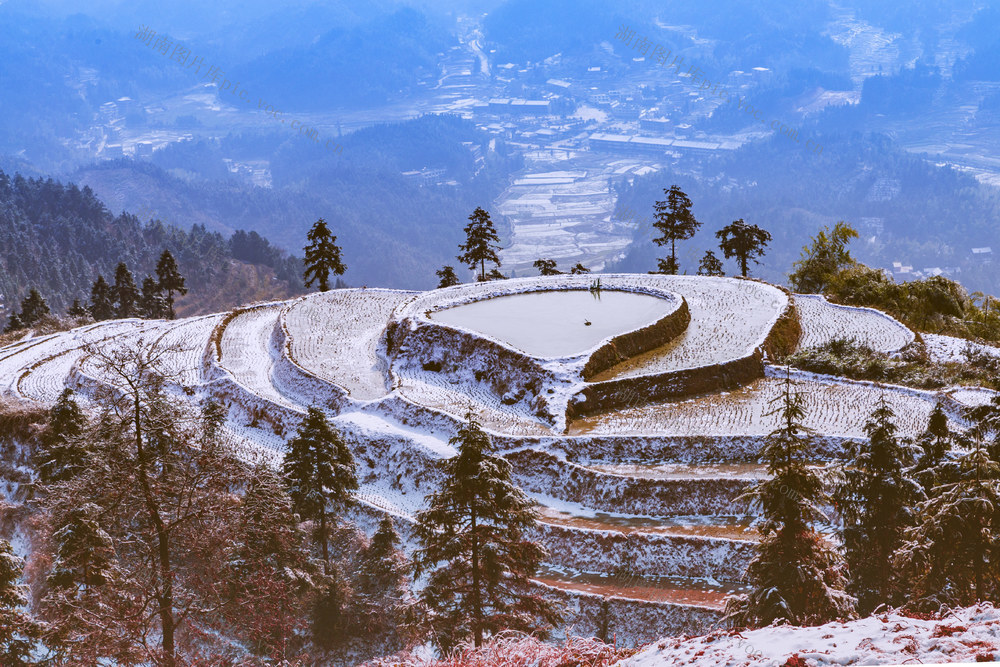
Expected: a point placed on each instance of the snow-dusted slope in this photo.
(970, 635)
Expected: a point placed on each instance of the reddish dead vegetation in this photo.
(517, 650)
(947, 630)
(795, 661)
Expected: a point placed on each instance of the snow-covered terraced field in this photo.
(833, 407)
(948, 349)
(187, 339)
(823, 321)
(247, 352)
(729, 319)
(336, 334)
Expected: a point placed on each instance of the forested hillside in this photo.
(57, 238)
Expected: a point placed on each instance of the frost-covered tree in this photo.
(876, 499)
(63, 452)
(447, 278)
(482, 244)
(474, 548)
(546, 267)
(84, 551)
(675, 222)
(323, 256)
(744, 242)
(710, 265)
(794, 575)
(952, 555)
(319, 473)
(383, 602)
(933, 466)
(19, 633)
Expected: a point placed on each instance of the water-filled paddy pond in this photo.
(555, 323)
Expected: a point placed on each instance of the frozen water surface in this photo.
(554, 323)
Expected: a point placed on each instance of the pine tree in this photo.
(14, 323)
(77, 310)
(319, 472)
(546, 267)
(710, 265)
(102, 305)
(676, 223)
(83, 554)
(382, 594)
(63, 453)
(125, 293)
(447, 277)
(170, 280)
(952, 555)
(932, 467)
(473, 543)
(793, 576)
(579, 269)
(152, 303)
(19, 633)
(744, 242)
(33, 308)
(494, 274)
(323, 256)
(482, 243)
(876, 499)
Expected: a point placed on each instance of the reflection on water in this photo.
(557, 323)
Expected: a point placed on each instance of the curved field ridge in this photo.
(948, 349)
(730, 319)
(823, 321)
(335, 335)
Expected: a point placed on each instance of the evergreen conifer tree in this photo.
(473, 544)
(952, 554)
(546, 267)
(126, 294)
(19, 633)
(744, 242)
(933, 467)
(77, 309)
(14, 323)
(102, 305)
(876, 499)
(794, 575)
(674, 220)
(319, 473)
(823, 259)
(481, 244)
(323, 256)
(382, 594)
(33, 308)
(63, 453)
(710, 265)
(152, 303)
(170, 280)
(447, 277)
(579, 269)
(83, 554)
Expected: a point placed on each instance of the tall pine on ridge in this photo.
(169, 280)
(323, 256)
(675, 222)
(481, 244)
(474, 548)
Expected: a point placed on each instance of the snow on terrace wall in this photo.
(515, 377)
(544, 473)
(629, 622)
(648, 554)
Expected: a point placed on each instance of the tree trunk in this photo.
(323, 541)
(673, 257)
(165, 597)
(477, 606)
